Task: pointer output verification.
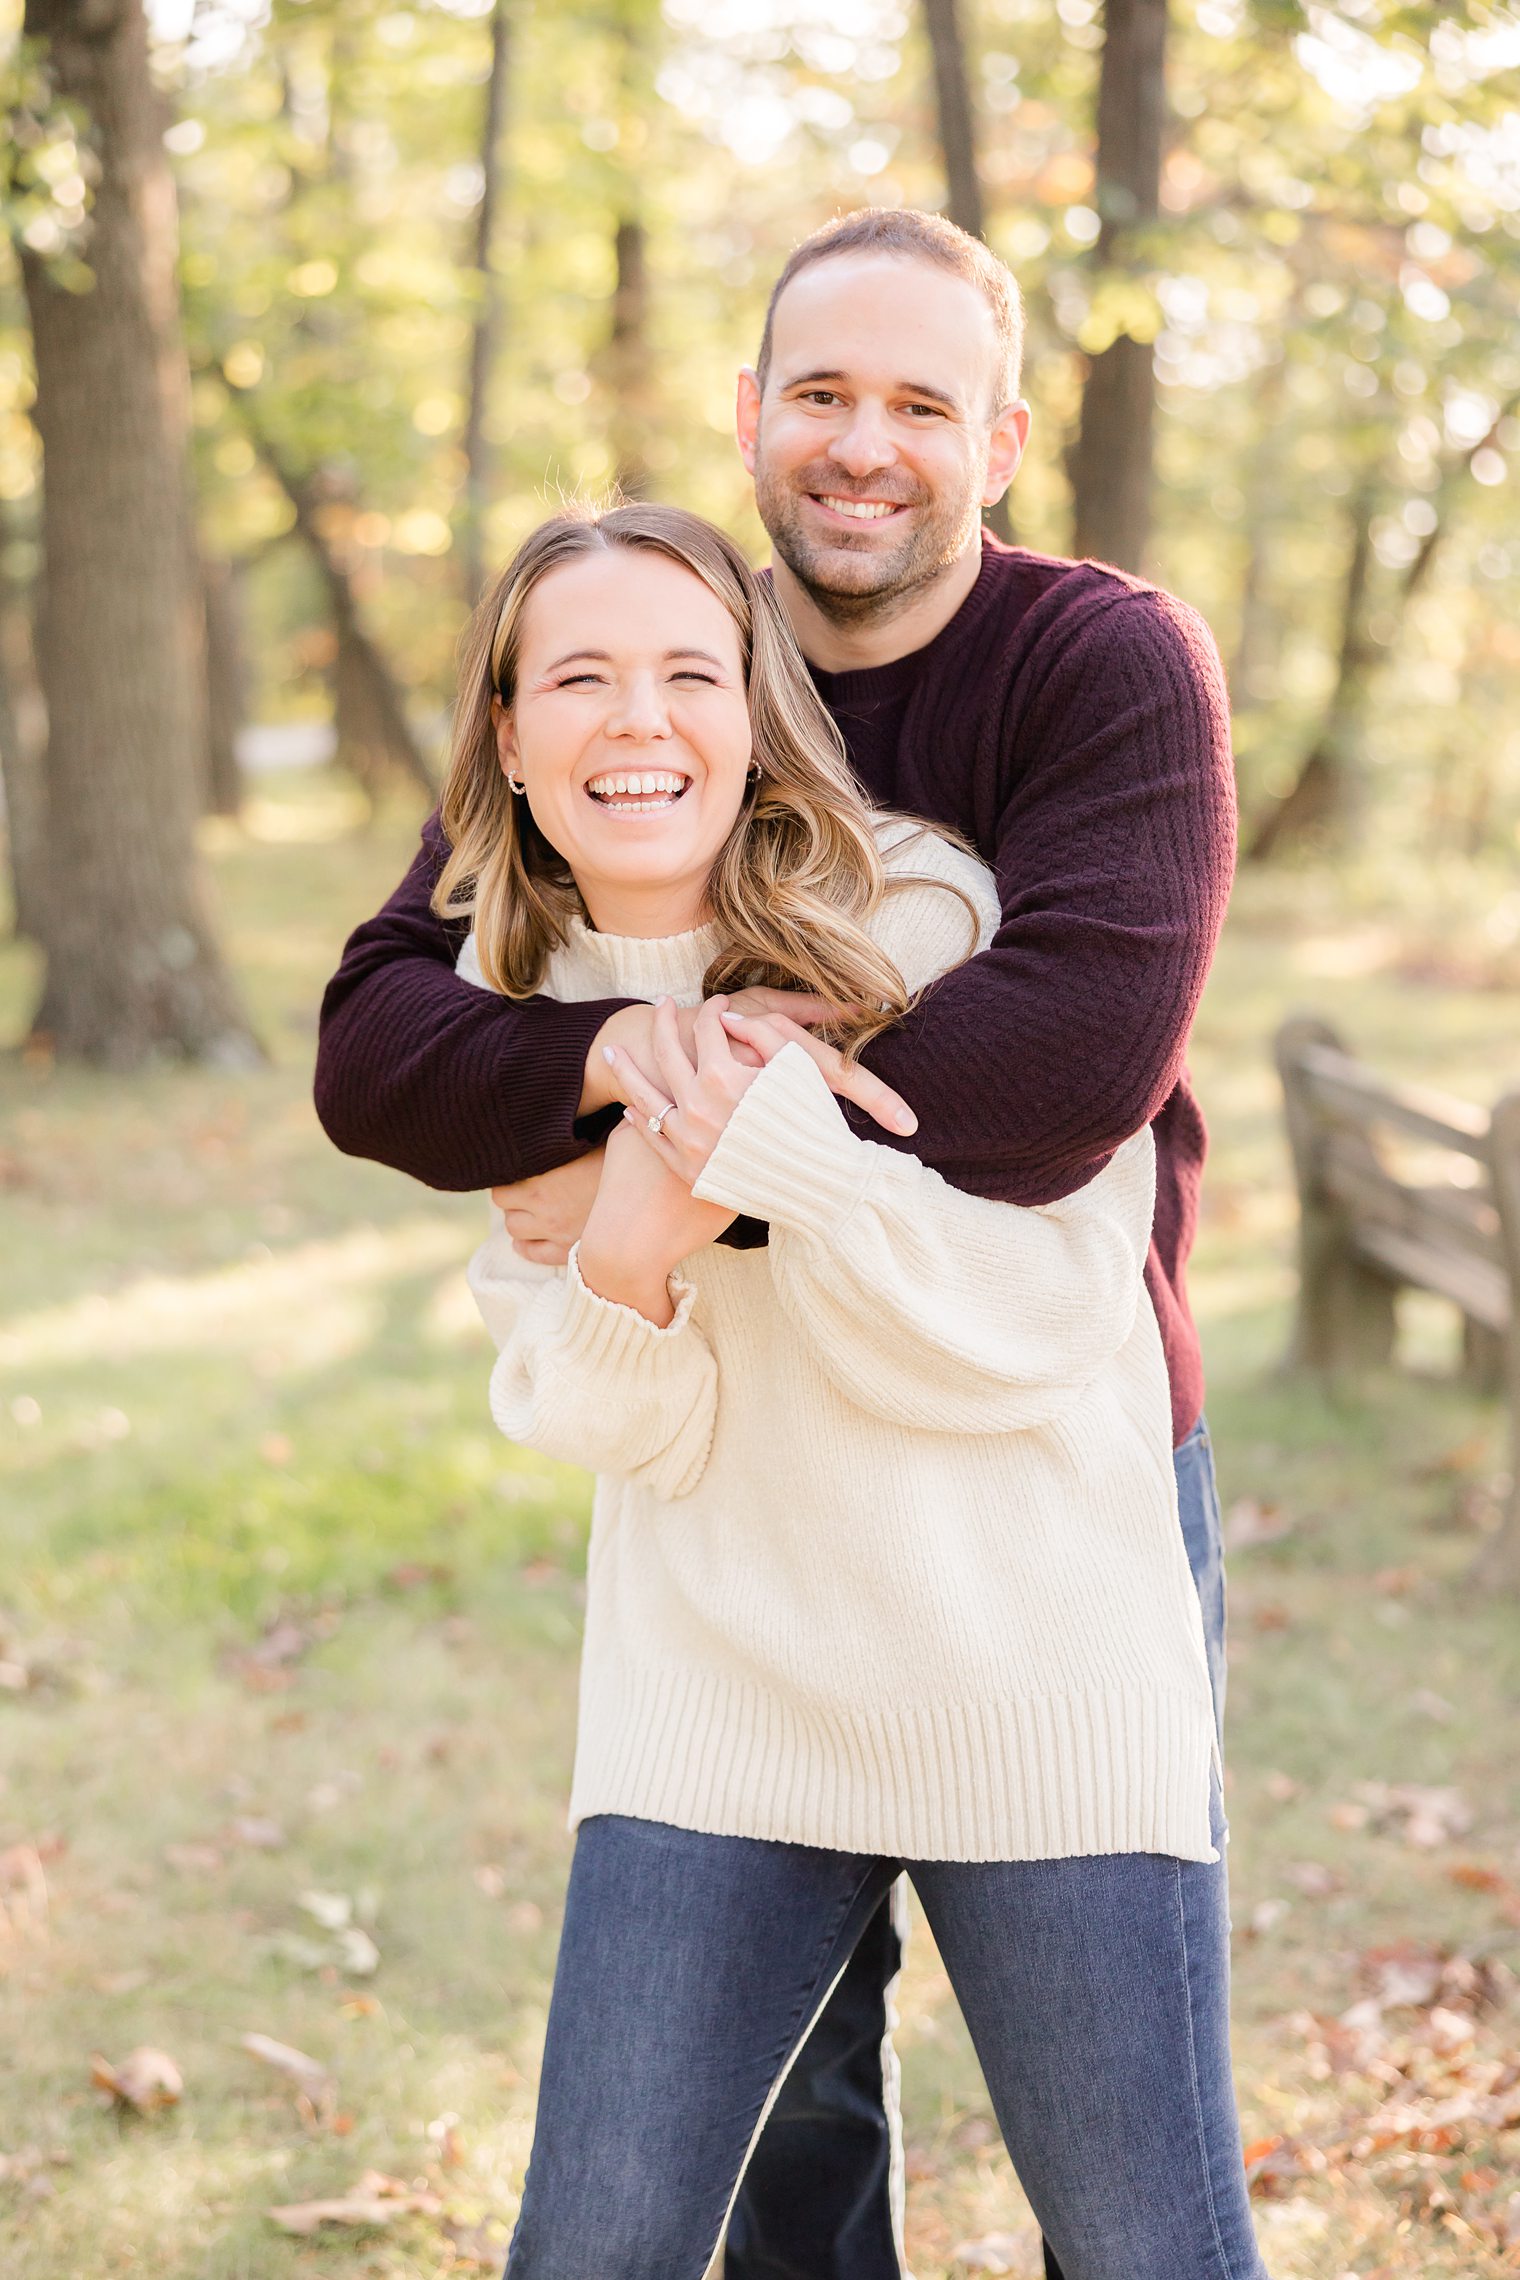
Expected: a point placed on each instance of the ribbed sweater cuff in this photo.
(786, 1153)
(600, 1334)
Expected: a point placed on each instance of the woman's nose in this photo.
(641, 713)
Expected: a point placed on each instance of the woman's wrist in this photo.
(627, 1282)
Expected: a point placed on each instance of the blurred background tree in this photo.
(440, 262)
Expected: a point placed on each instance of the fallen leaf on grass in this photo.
(257, 1831)
(375, 2200)
(308, 2074)
(994, 2252)
(491, 1880)
(120, 1982)
(1282, 1788)
(1431, 1705)
(357, 1952)
(193, 1859)
(1424, 1817)
(477, 2247)
(1313, 1879)
(1249, 1522)
(147, 2079)
(1268, 1914)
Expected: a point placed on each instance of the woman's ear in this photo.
(506, 736)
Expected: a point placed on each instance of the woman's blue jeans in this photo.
(693, 1967)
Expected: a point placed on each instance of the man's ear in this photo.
(747, 417)
(1010, 433)
(506, 735)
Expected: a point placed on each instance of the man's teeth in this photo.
(863, 510)
(647, 785)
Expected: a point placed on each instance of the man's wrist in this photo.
(598, 1085)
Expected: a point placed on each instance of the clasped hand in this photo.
(547, 1214)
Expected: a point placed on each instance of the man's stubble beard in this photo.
(868, 587)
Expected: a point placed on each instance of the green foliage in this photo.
(1333, 289)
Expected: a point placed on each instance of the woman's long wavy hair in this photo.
(797, 879)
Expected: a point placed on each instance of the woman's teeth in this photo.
(628, 794)
(862, 510)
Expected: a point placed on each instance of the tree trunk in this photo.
(371, 709)
(957, 130)
(1111, 459)
(23, 732)
(1323, 792)
(487, 326)
(1322, 797)
(226, 685)
(957, 142)
(133, 969)
(627, 363)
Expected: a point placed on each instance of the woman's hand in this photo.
(625, 1042)
(702, 1092)
(643, 1222)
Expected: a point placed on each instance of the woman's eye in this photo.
(690, 673)
(578, 681)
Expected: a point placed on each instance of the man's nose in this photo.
(865, 444)
(641, 713)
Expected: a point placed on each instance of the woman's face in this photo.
(630, 729)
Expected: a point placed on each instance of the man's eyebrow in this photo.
(924, 388)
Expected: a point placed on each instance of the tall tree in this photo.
(21, 740)
(1324, 795)
(133, 968)
(1111, 459)
(226, 682)
(485, 329)
(957, 142)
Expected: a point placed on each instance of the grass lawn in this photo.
(288, 1639)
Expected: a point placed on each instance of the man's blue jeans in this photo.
(1096, 1992)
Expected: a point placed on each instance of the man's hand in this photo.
(627, 1040)
(545, 1216)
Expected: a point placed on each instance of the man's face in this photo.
(878, 439)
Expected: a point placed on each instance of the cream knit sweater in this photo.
(885, 1553)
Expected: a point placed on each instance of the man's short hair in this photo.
(902, 230)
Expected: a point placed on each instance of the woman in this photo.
(885, 1567)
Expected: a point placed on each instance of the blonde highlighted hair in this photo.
(798, 878)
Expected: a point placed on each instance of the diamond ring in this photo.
(656, 1123)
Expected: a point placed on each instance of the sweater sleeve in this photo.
(934, 1308)
(415, 1067)
(591, 1382)
(1114, 849)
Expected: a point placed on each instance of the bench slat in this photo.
(1334, 1080)
(1480, 1290)
(1463, 1219)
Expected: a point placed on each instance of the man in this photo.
(1073, 723)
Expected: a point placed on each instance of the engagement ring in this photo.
(656, 1123)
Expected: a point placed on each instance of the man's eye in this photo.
(929, 411)
(818, 396)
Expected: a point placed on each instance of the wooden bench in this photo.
(1400, 1186)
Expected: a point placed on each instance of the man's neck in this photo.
(900, 627)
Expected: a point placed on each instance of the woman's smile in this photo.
(624, 791)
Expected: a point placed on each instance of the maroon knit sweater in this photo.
(1071, 722)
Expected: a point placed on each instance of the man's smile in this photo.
(857, 510)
